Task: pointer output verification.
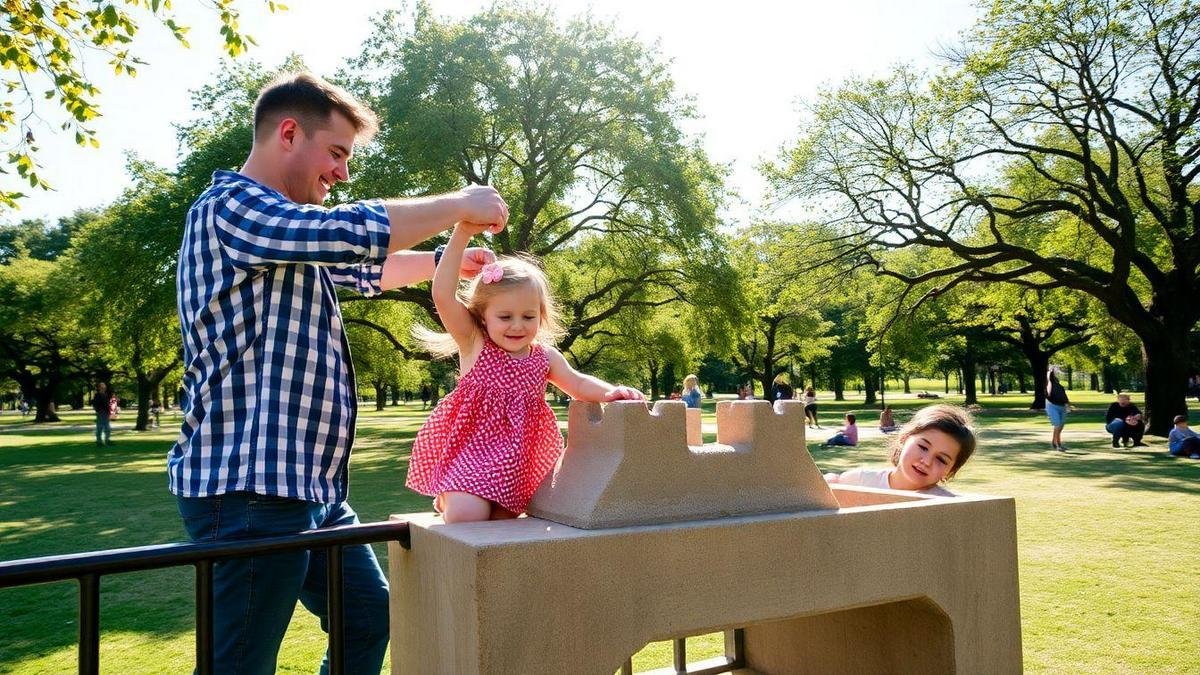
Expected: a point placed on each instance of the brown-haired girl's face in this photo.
(926, 458)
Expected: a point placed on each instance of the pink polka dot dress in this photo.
(494, 436)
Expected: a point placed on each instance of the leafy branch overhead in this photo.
(44, 50)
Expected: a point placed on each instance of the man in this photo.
(1124, 421)
(271, 405)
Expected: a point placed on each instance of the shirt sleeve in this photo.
(364, 278)
(257, 227)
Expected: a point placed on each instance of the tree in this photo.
(42, 342)
(125, 259)
(782, 319)
(577, 126)
(45, 46)
(1061, 150)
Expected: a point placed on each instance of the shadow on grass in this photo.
(70, 496)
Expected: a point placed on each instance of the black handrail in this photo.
(87, 568)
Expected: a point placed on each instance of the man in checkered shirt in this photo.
(270, 394)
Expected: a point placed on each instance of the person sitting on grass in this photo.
(1124, 421)
(887, 422)
(1182, 441)
(928, 451)
(848, 435)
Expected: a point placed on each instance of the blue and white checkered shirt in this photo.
(270, 396)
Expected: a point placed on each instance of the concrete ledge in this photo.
(532, 596)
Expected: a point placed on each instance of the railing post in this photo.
(204, 617)
(89, 624)
(336, 610)
(680, 650)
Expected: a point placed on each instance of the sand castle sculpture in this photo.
(642, 533)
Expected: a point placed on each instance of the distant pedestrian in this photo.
(810, 407)
(103, 404)
(1057, 405)
(424, 396)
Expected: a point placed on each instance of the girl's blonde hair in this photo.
(952, 420)
(519, 272)
(691, 381)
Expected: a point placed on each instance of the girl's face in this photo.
(925, 459)
(512, 318)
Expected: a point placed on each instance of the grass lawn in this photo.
(1109, 539)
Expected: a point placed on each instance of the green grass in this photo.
(1109, 542)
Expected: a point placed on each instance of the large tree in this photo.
(782, 322)
(1060, 150)
(126, 260)
(577, 126)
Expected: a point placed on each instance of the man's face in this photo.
(317, 158)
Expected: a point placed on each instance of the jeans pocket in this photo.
(201, 517)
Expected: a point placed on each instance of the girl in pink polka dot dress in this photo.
(490, 442)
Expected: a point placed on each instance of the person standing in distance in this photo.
(270, 415)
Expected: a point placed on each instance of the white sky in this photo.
(748, 64)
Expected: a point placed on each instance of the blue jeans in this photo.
(839, 439)
(253, 598)
(103, 427)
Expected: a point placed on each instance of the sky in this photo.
(749, 66)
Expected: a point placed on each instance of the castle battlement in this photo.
(627, 465)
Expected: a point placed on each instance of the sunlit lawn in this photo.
(1109, 539)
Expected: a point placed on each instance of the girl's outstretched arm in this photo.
(585, 387)
(454, 315)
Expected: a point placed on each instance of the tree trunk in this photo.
(1109, 378)
(839, 387)
(907, 387)
(653, 367)
(946, 382)
(1095, 382)
(869, 384)
(380, 395)
(144, 389)
(1070, 383)
(968, 377)
(1040, 363)
(1021, 382)
(1166, 359)
(395, 394)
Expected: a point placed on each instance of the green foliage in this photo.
(44, 46)
(1059, 149)
(577, 126)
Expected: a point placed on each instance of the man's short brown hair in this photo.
(310, 100)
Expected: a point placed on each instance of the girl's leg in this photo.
(464, 507)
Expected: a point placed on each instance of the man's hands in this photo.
(482, 209)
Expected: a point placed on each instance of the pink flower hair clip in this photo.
(491, 273)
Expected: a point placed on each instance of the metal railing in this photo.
(88, 568)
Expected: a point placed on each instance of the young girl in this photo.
(848, 435)
(930, 449)
(810, 407)
(489, 443)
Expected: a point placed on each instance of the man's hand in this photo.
(482, 209)
(473, 260)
